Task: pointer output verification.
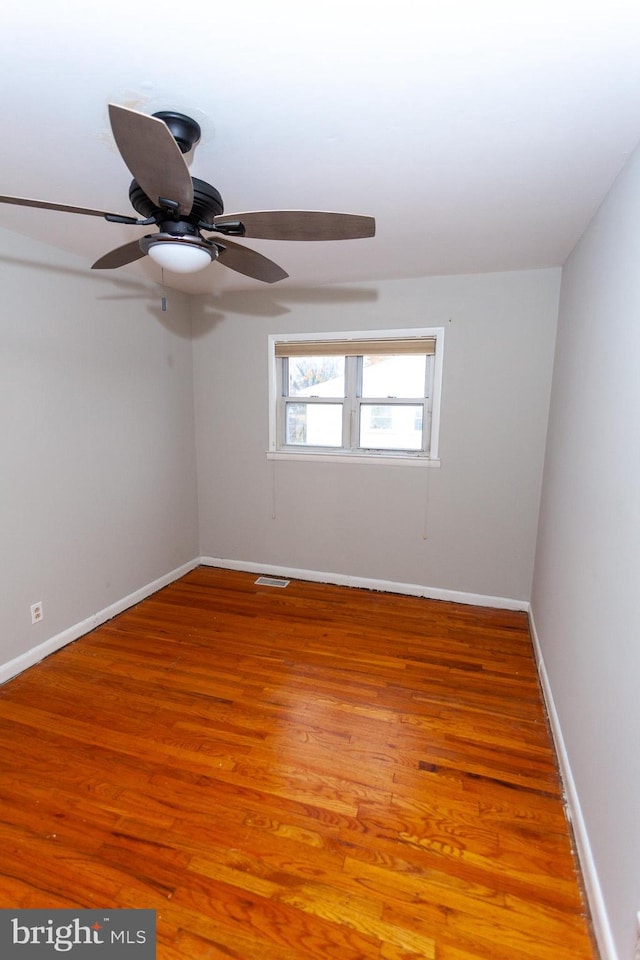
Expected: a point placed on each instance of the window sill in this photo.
(399, 460)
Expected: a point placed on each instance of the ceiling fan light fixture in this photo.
(179, 254)
(165, 194)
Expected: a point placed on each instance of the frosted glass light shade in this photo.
(179, 257)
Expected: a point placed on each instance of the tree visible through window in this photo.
(306, 372)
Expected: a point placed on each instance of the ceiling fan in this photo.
(165, 195)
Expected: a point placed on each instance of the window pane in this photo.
(396, 426)
(314, 424)
(316, 377)
(394, 376)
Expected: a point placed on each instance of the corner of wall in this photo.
(19, 664)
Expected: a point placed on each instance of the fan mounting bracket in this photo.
(185, 131)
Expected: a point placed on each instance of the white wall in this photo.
(469, 526)
(97, 460)
(587, 572)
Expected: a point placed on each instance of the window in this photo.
(373, 395)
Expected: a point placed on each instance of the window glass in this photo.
(316, 376)
(314, 424)
(396, 426)
(394, 376)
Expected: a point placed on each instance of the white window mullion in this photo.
(282, 377)
(350, 436)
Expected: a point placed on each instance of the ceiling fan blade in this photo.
(64, 207)
(152, 156)
(301, 225)
(119, 257)
(249, 262)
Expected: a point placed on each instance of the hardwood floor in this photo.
(314, 772)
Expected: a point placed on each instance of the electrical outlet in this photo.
(37, 613)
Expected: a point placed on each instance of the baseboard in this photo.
(599, 917)
(36, 654)
(365, 583)
(13, 667)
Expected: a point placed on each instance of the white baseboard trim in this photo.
(599, 917)
(365, 583)
(13, 667)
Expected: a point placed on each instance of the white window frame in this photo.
(432, 424)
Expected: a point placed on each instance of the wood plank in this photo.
(316, 772)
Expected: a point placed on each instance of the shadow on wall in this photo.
(125, 289)
(268, 303)
(215, 306)
(130, 286)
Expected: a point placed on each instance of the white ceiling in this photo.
(481, 135)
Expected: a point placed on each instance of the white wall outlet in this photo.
(36, 612)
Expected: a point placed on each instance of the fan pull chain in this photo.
(164, 299)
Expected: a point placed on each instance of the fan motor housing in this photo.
(207, 203)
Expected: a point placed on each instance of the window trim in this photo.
(352, 338)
